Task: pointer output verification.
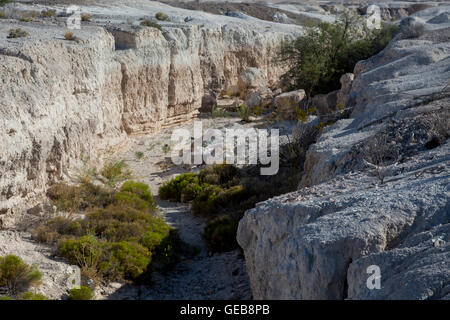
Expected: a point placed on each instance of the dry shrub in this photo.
(69, 35)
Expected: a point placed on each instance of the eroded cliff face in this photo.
(318, 242)
(61, 101)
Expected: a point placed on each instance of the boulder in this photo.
(287, 103)
(208, 101)
(261, 97)
(251, 79)
(229, 104)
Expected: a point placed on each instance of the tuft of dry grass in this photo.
(85, 17)
(17, 33)
(69, 35)
(48, 13)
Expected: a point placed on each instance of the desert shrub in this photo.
(379, 154)
(205, 204)
(82, 293)
(119, 234)
(244, 112)
(48, 13)
(191, 191)
(26, 18)
(219, 174)
(152, 24)
(162, 16)
(220, 234)
(16, 275)
(318, 58)
(226, 172)
(132, 200)
(231, 195)
(52, 230)
(32, 296)
(122, 223)
(139, 155)
(168, 251)
(121, 242)
(165, 148)
(115, 172)
(126, 260)
(210, 178)
(219, 112)
(140, 189)
(17, 33)
(87, 252)
(69, 35)
(171, 189)
(85, 17)
(438, 123)
(72, 198)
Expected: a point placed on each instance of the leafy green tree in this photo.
(16, 275)
(318, 58)
(3, 2)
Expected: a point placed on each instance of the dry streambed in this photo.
(203, 276)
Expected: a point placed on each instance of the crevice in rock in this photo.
(345, 287)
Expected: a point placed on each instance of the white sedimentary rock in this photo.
(319, 242)
(62, 100)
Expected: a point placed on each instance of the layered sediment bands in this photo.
(58, 100)
(64, 100)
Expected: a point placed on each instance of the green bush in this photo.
(205, 203)
(87, 252)
(220, 235)
(171, 190)
(244, 112)
(33, 296)
(108, 260)
(168, 252)
(190, 192)
(324, 53)
(5, 298)
(120, 243)
(132, 199)
(152, 24)
(51, 231)
(219, 174)
(17, 33)
(115, 172)
(139, 155)
(82, 293)
(48, 13)
(3, 2)
(16, 275)
(162, 16)
(119, 233)
(140, 189)
(126, 260)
